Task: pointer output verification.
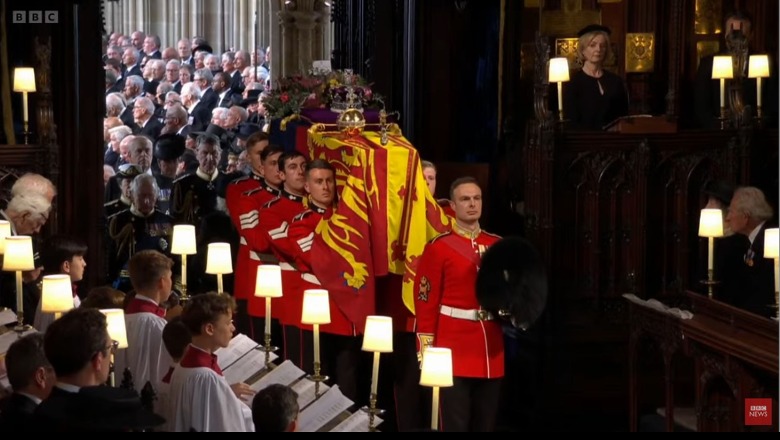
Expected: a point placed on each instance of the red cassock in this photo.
(268, 239)
(301, 235)
(446, 307)
(244, 208)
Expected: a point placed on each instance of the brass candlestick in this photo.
(268, 349)
(317, 378)
(372, 411)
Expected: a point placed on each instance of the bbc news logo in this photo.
(35, 16)
(758, 412)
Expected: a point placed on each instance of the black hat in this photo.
(128, 171)
(594, 28)
(247, 129)
(252, 97)
(720, 190)
(213, 130)
(203, 48)
(100, 409)
(169, 146)
(512, 282)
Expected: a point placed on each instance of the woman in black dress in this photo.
(594, 97)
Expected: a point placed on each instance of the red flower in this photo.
(284, 98)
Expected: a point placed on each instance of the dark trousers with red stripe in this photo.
(470, 405)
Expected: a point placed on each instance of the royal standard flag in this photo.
(384, 217)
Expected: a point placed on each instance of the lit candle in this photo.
(711, 253)
(268, 315)
(758, 92)
(375, 373)
(219, 284)
(722, 92)
(316, 343)
(184, 275)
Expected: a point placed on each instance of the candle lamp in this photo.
(558, 72)
(710, 226)
(316, 311)
(219, 261)
(184, 243)
(377, 338)
(115, 320)
(268, 285)
(24, 82)
(758, 67)
(772, 250)
(722, 69)
(436, 373)
(56, 294)
(5, 231)
(18, 257)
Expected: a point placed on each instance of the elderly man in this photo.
(748, 215)
(27, 212)
(139, 228)
(143, 117)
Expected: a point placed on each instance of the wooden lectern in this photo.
(642, 124)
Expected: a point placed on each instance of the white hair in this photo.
(33, 184)
(147, 104)
(121, 132)
(34, 204)
(191, 89)
(751, 201)
(141, 179)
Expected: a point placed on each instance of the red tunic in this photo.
(446, 276)
(244, 211)
(269, 237)
(301, 235)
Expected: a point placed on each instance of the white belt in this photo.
(467, 314)
(286, 266)
(310, 277)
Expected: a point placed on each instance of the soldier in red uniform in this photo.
(340, 346)
(268, 239)
(245, 267)
(448, 315)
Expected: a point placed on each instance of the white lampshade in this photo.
(758, 66)
(711, 223)
(378, 336)
(436, 367)
(18, 253)
(722, 67)
(56, 294)
(24, 79)
(559, 70)
(183, 242)
(116, 325)
(219, 260)
(316, 309)
(5, 231)
(771, 243)
(268, 283)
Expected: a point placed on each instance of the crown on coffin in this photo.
(347, 92)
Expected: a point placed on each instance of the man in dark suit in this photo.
(199, 112)
(748, 215)
(32, 379)
(131, 60)
(145, 122)
(152, 47)
(204, 79)
(221, 86)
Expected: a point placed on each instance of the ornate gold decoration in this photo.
(705, 48)
(569, 19)
(640, 52)
(567, 47)
(531, 3)
(708, 17)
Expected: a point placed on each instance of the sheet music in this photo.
(285, 374)
(6, 339)
(247, 366)
(305, 389)
(323, 410)
(7, 316)
(357, 422)
(239, 346)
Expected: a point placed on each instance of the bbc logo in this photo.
(35, 16)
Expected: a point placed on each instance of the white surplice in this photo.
(145, 355)
(201, 399)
